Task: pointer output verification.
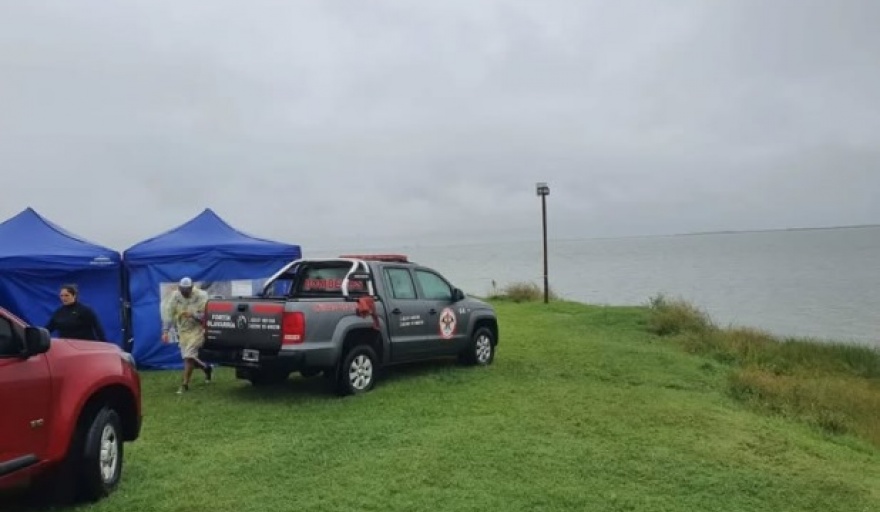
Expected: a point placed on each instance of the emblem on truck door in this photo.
(241, 322)
(447, 323)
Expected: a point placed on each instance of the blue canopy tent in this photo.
(37, 257)
(219, 258)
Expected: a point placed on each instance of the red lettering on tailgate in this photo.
(267, 309)
(218, 307)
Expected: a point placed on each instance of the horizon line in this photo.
(621, 237)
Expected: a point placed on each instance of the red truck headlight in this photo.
(128, 358)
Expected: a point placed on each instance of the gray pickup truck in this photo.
(346, 318)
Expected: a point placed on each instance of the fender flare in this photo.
(349, 324)
(484, 316)
(67, 420)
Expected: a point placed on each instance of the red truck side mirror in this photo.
(36, 341)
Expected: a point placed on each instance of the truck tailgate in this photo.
(252, 324)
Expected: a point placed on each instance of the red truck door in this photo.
(24, 402)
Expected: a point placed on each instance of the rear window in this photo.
(279, 287)
(318, 281)
(328, 280)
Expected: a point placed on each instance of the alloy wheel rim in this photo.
(484, 348)
(360, 373)
(109, 456)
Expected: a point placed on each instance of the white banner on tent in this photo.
(241, 288)
(215, 289)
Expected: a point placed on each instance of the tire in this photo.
(481, 350)
(100, 462)
(358, 371)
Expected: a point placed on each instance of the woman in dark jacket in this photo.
(74, 319)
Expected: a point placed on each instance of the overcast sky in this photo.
(355, 123)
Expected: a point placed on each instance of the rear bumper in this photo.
(291, 360)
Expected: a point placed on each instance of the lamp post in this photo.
(543, 190)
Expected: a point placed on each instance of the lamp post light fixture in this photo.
(543, 190)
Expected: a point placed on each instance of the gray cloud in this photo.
(354, 123)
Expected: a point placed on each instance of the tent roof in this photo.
(30, 239)
(206, 232)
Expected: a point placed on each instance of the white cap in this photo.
(186, 283)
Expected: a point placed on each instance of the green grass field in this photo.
(584, 409)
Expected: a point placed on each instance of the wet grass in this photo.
(584, 409)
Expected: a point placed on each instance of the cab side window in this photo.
(9, 346)
(280, 288)
(401, 283)
(433, 286)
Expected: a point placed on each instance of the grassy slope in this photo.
(583, 410)
(833, 386)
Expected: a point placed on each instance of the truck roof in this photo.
(391, 258)
(365, 262)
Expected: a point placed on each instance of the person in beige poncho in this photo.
(184, 311)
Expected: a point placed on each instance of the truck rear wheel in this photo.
(357, 373)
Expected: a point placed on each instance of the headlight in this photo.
(128, 358)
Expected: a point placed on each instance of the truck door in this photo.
(407, 315)
(24, 400)
(447, 324)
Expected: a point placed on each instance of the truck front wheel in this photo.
(92, 467)
(358, 371)
(481, 350)
(102, 450)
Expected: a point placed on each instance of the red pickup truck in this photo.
(66, 408)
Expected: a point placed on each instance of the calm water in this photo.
(816, 283)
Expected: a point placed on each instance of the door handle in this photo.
(395, 311)
(432, 311)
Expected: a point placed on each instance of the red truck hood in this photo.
(88, 346)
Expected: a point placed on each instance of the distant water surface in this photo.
(816, 283)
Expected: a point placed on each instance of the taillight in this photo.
(293, 327)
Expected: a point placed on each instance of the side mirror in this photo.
(36, 341)
(457, 295)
